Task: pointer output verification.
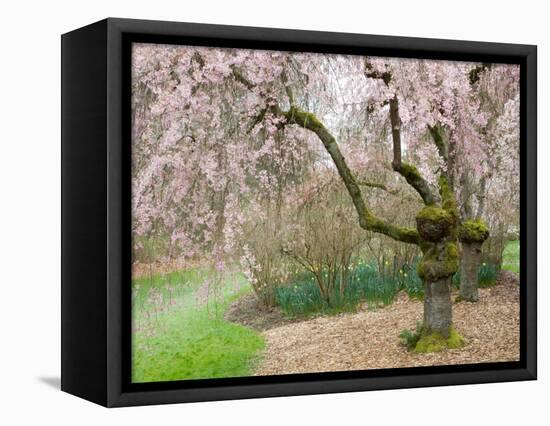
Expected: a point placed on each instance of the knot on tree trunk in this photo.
(434, 223)
(473, 231)
(439, 262)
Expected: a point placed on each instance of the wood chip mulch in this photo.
(248, 312)
(369, 339)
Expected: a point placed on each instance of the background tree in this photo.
(494, 86)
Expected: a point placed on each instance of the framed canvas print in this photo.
(251, 212)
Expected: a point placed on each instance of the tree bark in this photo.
(438, 316)
(469, 266)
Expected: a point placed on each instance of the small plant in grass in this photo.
(410, 338)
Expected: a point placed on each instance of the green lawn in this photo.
(510, 257)
(187, 340)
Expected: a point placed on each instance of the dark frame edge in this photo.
(530, 222)
(83, 213)
(124, 399)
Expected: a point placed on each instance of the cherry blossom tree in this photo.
(496, 89)
(222, 136)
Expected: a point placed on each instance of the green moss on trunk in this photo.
(437, 264)
(435, 342)
(473, 231)
(433, 223)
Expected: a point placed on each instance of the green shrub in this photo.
(301, 297)
(411, 282)
(456, 280)
(487, 275)
(410, 338)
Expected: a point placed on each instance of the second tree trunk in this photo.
(469, 266)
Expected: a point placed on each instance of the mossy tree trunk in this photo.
(472, 234)
(469, 266)
(437, 306)
(437, 227)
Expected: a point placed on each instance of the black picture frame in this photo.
(96, 214)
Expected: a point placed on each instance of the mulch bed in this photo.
(369, 339)
(248, 312)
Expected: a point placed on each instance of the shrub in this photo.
(262, 260)
(487, 275)
(302, 297)
(410, 338)
(324, 239)
(411, 282)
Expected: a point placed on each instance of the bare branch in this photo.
(409, 172)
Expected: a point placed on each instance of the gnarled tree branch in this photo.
(367, 220)
(408, 171)
(442, 146)
(445, 150)
(310, 122)
(377, 185)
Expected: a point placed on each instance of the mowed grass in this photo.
(189, 340)
(510, 257)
